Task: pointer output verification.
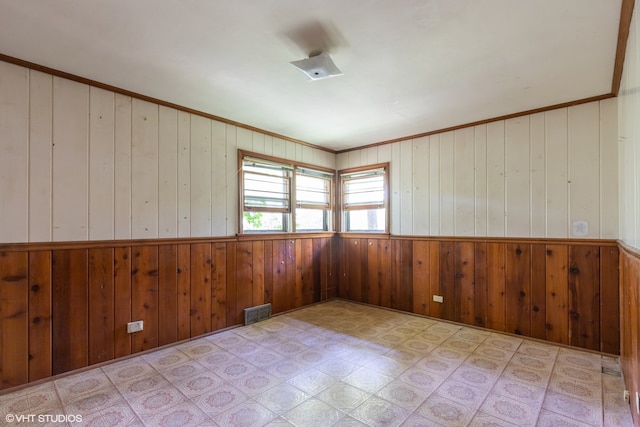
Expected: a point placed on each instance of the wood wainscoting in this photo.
(564, 291)
(630, 322)
(65, 306)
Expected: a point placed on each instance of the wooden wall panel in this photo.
(101, 305)
(144, 296)
(630, 320)
(609, 300)
(447, 280)
(465, 282)
(480, 299)
(183, 289)
(421, 285)
(69, 310)
(244, 279)
(167, 294)
(584, 297)
(538, 291)
(496, 269)
(122, 301)
(39, 315)
(518, 289)
(14, 322)
(201, 288)
(557, 294)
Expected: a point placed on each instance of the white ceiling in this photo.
(410, 66)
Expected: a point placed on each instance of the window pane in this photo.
(268, 190)
(365, 220)
(263, 221)
(312, 190)
(311, 220)
(364, 191)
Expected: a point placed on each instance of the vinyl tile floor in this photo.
(338, 364)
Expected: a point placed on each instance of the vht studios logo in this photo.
(43, 418)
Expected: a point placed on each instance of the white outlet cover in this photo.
(135, 326)
(637, 403)
(580, 228)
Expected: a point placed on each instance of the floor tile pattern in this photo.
(341, 364)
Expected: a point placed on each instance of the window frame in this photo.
(289, 213)
(343, 209)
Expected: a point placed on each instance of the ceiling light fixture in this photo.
(318, 66)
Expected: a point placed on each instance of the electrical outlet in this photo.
(438, 298)
(134, 326)
(625, 396)
(637, 403)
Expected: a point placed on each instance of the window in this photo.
(281, 196)
(364, 199)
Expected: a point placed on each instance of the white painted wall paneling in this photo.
(83, 163)
(506, 178)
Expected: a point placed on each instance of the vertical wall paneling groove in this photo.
(40, 294)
